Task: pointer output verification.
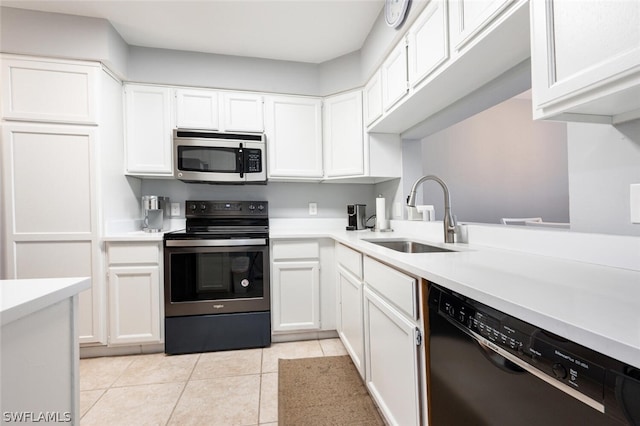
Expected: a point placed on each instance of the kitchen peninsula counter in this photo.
(594, 305)
(39, 349)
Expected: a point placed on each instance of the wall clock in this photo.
(395, 11)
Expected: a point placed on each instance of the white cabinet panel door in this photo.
(197, 109)
(148, 135)
(373, 99)
(585, 60)
(391, 361)
(49, 91)
(428, 41)
(134, 305)
(243, 112)
(394, 76)
(296, 295)
(350, 319)
(294, 137)
(470, 17)
(50, 171)
(59, 259)
(344, 135)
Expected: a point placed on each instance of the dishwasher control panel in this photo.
(554, 356)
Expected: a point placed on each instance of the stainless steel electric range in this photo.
(216, 278)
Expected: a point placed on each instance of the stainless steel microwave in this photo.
(214, 157)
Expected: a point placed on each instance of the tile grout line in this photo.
(260, 387)
(106, 389)
(183, 389)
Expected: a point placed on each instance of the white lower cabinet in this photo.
(392, 342)
(350, 318)
(135, 302)
(392, 373)
(295, 285)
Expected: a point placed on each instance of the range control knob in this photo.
(193, 207)
(252, 207)
(451, 310)
(260, 207)
(203, 207)
(559, 371)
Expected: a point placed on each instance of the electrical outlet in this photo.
(634, 202)
(313, 209)
(175, 209)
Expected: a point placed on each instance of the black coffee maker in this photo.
(356, 215)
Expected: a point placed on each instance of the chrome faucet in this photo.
(449, 222)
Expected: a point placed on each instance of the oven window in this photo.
(217, 276)
(207, 159)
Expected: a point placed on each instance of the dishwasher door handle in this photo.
(487, 345)
(498, 360)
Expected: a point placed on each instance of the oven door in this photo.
(216, 276)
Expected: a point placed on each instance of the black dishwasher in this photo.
(489, 368)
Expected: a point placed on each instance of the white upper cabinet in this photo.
(243, 112)
(343, 135)
(585, 60)
(197, 109)
(428, 41)
(43, 90)
(148, 130)
(293, 126)
(394, 76)
(373, 99)
(453, 48)
(470, 17)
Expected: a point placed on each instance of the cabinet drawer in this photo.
(396, 287)
(350, 259)
(303, 249)
(133, 253)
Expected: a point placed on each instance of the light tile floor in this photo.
(215, 388)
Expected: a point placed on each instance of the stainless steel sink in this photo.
(408, 246)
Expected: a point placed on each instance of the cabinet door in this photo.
(394, 76)
(296, 296)
(391, 361)
(470, 17)
(197, 109)
(343, 135)
(243, 112)
(134, 305)
(350, 319)
(50, 212)
(49, 91)
(148, 126)
(585, 59)
(294, 137)
(428, 41)
(373, 99)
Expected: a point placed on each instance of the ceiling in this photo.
(312, 31)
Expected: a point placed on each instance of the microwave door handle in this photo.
(241, 160)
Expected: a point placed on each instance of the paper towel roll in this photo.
(381, 213)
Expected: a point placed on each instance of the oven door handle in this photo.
(218, 243)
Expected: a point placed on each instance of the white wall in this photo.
(500, 163)
(286, 200)
(62, 36)
(603, 161)
(162, 66)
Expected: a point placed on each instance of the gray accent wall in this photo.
(604, 160)
(499, 163)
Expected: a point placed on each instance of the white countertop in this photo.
(19, 298)
(593, 305)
